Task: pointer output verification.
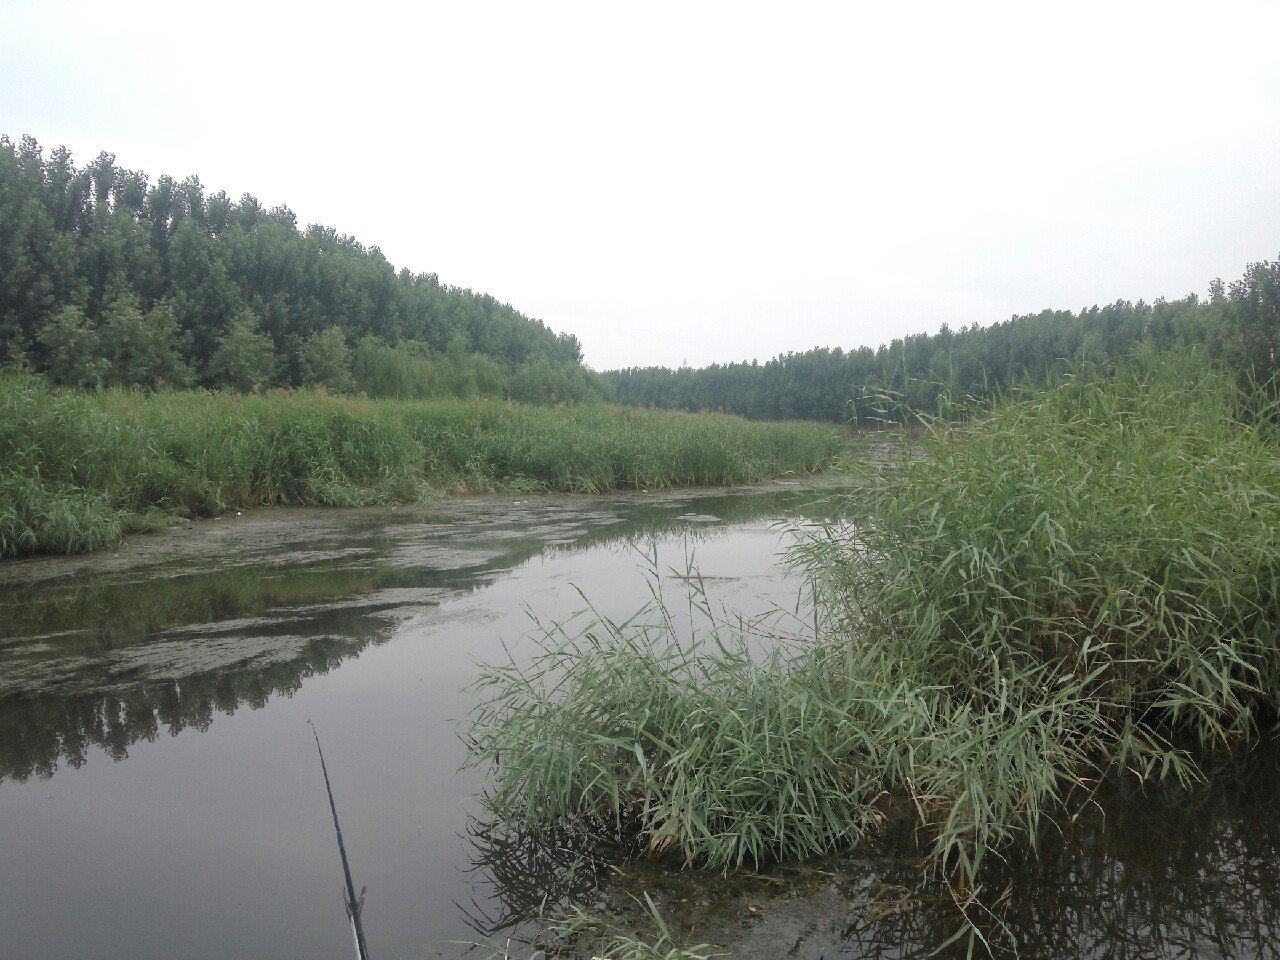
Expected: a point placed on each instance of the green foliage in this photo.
(1083, 582)
(540, 382)
(143, 348)
(413, 370)
(578, 929)
(78, 470)
(93, 237)
(1239, 325)
(244, 359)
(326, 361)
(72, 349)
(697, 746)
(406, 371)
(1123, 527)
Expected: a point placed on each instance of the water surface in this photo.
(160, 791)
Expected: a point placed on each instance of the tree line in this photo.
(109, 279)
(1238, 324)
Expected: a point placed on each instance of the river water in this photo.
(159, 787)
(161, 797)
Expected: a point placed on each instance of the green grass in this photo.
(1080, 583)
(80, 470)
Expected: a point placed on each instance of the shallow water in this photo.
(161, 796)
(159, 787)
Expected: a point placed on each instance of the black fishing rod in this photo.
(353, 905)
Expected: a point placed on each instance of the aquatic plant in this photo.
(616, 944)
(579, 933)
(80, 470)
(683, 739)
(1082, 582)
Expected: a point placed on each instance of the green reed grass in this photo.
(80, 470)
(577, 929)
(694, 745)
(577, 933)
(1081, 582)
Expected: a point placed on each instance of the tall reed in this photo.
(79, 470)
(1083, 582)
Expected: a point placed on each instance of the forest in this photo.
(110, 279)
(1238, 325)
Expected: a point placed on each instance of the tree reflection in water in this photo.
(110, 660)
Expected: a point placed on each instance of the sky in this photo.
(704, 182)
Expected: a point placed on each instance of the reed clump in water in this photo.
(79, 470)
(1081, 582)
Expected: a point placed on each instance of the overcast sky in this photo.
(704, 182)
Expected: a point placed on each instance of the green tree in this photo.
(405, 370)
(459, 375)
(84, 235)
(143, 348)
(244, 358)
(326, 360)
(72, 349)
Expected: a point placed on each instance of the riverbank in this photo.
(79, 471)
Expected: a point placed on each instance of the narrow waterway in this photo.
(160, 794)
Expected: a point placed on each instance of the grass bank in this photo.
(80, 470)
(1081, 583)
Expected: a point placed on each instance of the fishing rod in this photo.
(354, 906)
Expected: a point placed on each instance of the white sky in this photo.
(704, 182)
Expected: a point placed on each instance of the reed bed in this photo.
(1080, 583)
(80, 470)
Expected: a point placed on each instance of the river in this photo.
(161, 795)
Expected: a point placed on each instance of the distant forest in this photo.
(1238, 325)
(109, 279)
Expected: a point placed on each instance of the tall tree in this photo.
(82, 236)
(143, 348)
(326, 360)
(244, 359)
(73, 349)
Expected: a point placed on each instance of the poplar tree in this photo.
(244, 359)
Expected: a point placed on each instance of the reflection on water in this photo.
(215, 843)
(107, 659)
(1176, 874)
(519, 877)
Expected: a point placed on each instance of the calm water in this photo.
(159, 789)
(161, 796)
